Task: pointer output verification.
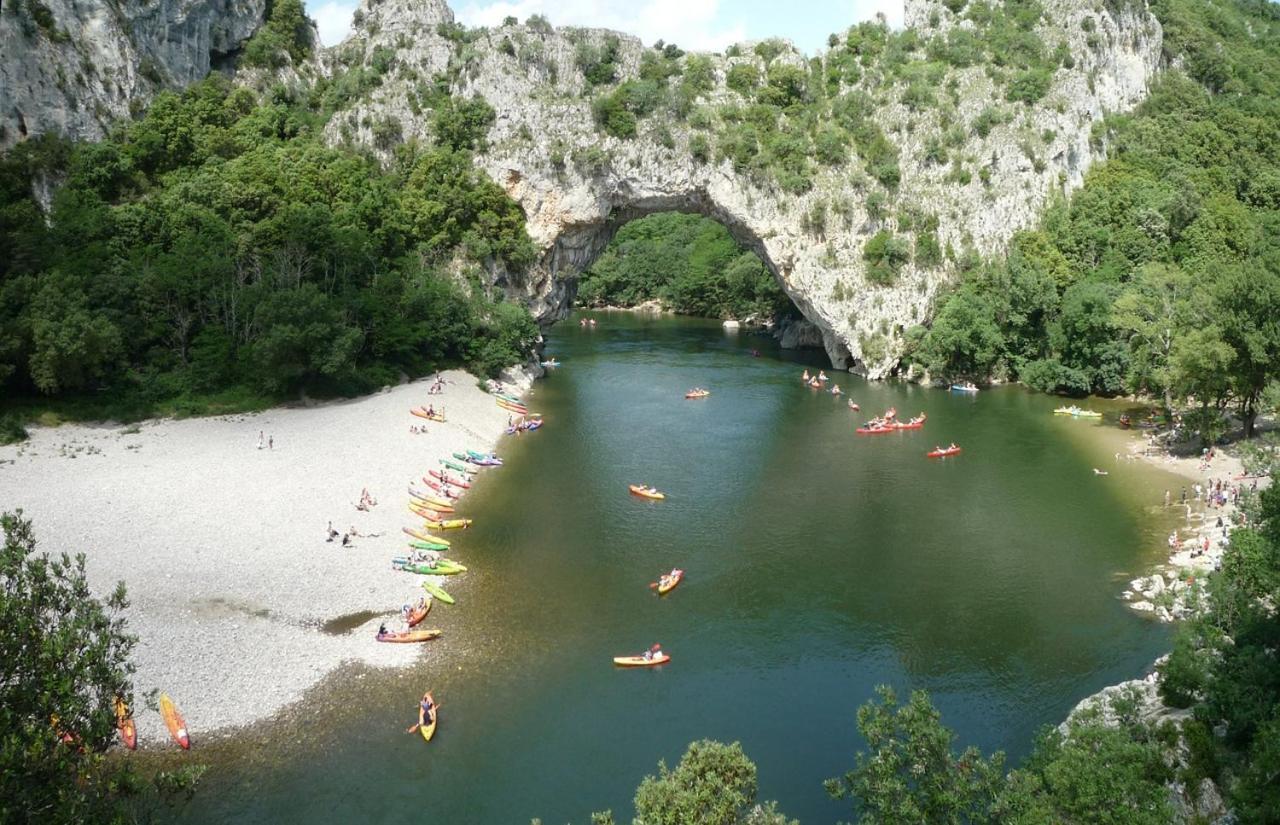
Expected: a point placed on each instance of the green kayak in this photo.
(441, 568)
(467, 468)
(428, 545)
(437, 592)
(506, 397)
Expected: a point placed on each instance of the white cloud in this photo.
(692, 24)
(334, 20)
(893, 10)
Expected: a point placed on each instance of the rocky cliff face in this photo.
(75, 67)
(578, 184)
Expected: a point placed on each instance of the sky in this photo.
(708, 25)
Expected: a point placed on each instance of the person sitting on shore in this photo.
(333, 534)
(346, 540)
(382, 629)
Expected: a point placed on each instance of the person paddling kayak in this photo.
(428, 706)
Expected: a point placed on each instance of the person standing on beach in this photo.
(260, 442)
(271, 442)
(1167, 498)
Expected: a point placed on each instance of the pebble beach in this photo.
(222, 544)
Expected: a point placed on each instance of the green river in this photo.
(820, 564)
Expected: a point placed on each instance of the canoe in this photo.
(424, 536)
(676, 577)
(422, 568)
(913, 424)
(425, 512)
(437, 591)
(462, 468)
(646, 492)
(942, 453)
(410, 636)
(438, 544)
(422, 413)
(449, 524)
(448, 479)
(124, 724)
(433, 503)
(416, 616)
(174, 722)
(640, 661)
(427, 730)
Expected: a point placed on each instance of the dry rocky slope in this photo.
(75, 66)
(578, 185)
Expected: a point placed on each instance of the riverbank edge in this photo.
(1205, 802)
(223, 624)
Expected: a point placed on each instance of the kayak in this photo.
(462, 468)
(425, 512)
(174, 722)
(416, 616)
(427, 537)
(943, 453)
(449, 524)
(646, 492)
(410, 636)
(439, 487)
(875, 430)
(443, 567)
(438, 544)
(124, 723)
(640, 661)
(472, 454)
(433, 503)
(913, 424)
(515, 408)
(672, 581)
(449, 497)
(486, 462)
(422, 413)
(963, 388)
(427, 730)
(697, 394)
(447, 479)
(437, 591)
(502, 396)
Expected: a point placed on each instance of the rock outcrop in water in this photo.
(932, 146)
(75, 67)
(578, 184)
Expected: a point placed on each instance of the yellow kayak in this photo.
(449, 524)
(646, 492)
(640, 661)
(430, 503)
(423, 535)
(428, 730)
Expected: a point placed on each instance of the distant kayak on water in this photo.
(645, 491)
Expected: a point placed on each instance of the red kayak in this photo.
(914, 424)
(874, 430)
(446, 479)
(440, 488)
(943, 453)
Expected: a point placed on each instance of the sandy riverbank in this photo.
(222, 545)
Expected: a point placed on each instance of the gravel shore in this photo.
(222, 544)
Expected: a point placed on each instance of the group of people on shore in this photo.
(266, 442)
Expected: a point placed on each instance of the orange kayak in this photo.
(410, 636)
(416, 616)
(124, 723)
(646, 492)
(174, 722)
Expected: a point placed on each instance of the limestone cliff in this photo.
(578, 184)
(75, 67)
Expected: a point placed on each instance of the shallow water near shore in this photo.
(819, 564)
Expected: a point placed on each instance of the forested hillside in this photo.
(690, 264)
(216, 254)
(1163, 273)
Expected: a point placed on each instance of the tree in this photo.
(1247, 308)
(714, 784)
(909, 772)
(965, 339)
(64, 658)
(1154, 311)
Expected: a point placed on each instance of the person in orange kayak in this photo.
(428, 705)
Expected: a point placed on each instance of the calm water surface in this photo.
(820, 564)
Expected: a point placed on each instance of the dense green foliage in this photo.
(688, 262)
(1226, 666)
(286, 36)
(217, 248)
(1162, 274)
(714, 784)
(64, 658)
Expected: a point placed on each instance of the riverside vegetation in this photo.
(1161, 275)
